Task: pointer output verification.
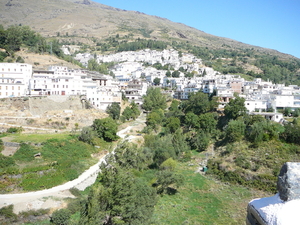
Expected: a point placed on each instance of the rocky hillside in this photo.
(84, 18)
(49, 114)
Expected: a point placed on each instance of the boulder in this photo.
(288, 183)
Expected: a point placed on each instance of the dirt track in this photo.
(53, 197)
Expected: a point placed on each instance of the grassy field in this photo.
(63, 158)
(204, 200)
(38, 138)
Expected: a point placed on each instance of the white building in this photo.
(14, 79)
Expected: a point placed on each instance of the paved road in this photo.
(40, 199)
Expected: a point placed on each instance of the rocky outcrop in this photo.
(281, 209)
(288, 183)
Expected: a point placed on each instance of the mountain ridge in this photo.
(86, 18)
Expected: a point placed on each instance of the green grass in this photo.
(62, 159)
(202, 200)
(38, 138)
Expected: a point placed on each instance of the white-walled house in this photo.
(14, 79)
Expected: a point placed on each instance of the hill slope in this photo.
(89, 19)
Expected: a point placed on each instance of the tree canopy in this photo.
(154, 99)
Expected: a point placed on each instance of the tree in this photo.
(129, 156)
(127, 113)
(156, 81)
(235, 130)
(173, 123)
(168, 73)
(162, 147)
(154, 119)
(13, 39)
(135, 110)
(208, 122)
(166, 178)
(200, 141)
(235, 108)
(198, 103)
(179, 142)
(154, 99)
(106, 128)
(175, 73)
(119, 198)
(114, 110)
(87, 135)
(191, 120)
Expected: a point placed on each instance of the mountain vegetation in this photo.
(247, 150)
(103, 29)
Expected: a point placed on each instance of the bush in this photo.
(60, 217)
(8, 213)
(14, 130)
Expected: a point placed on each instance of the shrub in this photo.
(8, 213)
(60, 217)
(14, 130)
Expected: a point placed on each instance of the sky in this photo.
(273, 24)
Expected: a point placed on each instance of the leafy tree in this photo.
(127, 113)
(235, 108)
(172, 123)
(208, 122)
(168, 73)
(13, 39)
(191, 120)
(154, 119)
(135, 110)
(119, 198)
(175, 73)
(200, 141)
(87, 135)
(179, 142)
(170, 164)
(162, 147)
(114, 110)
(166, 178)
(235, 130)
(287, 111)
(156, 81)
(154, 99)
(291, 133)
(129, 156)
(106, 128)
(198, 103)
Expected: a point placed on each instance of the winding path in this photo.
(44, 198)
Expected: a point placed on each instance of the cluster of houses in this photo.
(133, 74)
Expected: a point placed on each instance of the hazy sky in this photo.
(271, 24)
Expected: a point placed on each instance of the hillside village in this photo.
(134, 72)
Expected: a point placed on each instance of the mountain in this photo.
(85, 18)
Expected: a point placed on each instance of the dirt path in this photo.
(53, 197)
